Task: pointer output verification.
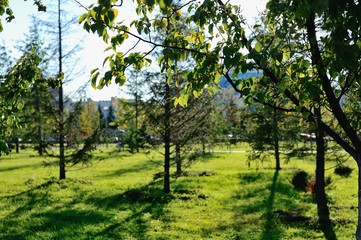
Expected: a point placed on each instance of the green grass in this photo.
(116, 198)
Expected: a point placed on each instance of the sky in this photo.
(93, 54)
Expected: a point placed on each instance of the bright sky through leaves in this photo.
(93, 54)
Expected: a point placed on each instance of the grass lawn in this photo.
(116, 198)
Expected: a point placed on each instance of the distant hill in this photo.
(223, 83)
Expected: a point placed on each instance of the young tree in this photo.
(63, 67)
(84, 131)
(85, 122)
(266, 127)
(111, 117)
(101, 117)
(131, 118)
(134, 118)
(189, 128)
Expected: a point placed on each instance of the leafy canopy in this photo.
(308, 51)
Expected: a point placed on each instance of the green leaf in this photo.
(182, 99)
(245, 91)
(94, 80)
(82, 18)
(150, 3)
(10, 121)
(93, 13)
(108, 76)
(258, 46)
(2, 9)
(93, 71)
(162, 4)
(305, 64)
(120, 80)
(20, 105)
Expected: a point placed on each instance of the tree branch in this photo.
(326, 84)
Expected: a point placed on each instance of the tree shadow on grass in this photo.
(137, 167)
(140, 206)
(266, 201)
(37, 215)
(269, 227)
(29, 165)
(57, 223)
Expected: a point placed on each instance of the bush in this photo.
(300, 180)
(343, 171)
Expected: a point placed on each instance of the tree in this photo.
(15, 83)
(131, 118)
(111, 117)
(187, 129)
(267, 127)
(84, 130)
(21, 72)
(134, 117)
(309, 51)
(232, 106)
(37, 115)
(101, 116)
(62, 66)
(86, 121)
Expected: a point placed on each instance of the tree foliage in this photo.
(16, 83)
(299, 63)
(309, 51)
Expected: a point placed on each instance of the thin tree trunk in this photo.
(136, 118)
(167, 108)
(17, 144)
(61, 101)
(39, 127)
(321, 199)
(167, 123)
(276, 140)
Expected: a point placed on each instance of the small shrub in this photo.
(343, 171)
(300, 180)
(311, 183)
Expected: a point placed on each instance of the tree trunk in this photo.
(321, 199)
(61, 102)
(38, 114)
(166, 187)
(276, 140)
(136, 119)
(17, 144)
(355, 149)
(167, 118)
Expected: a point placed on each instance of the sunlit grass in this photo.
(115, 197)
